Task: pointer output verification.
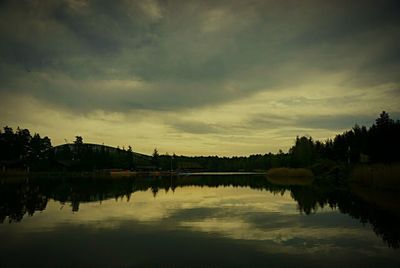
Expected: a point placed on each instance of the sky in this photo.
(197, 77)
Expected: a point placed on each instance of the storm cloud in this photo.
(189, 68)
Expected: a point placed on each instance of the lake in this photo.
(204, 220)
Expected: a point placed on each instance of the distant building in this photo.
(93, 147)
(98, 155)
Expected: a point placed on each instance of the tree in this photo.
(303, 152)
(384, 120)
(36, 146)
(383, 139)
(22, 146)
(129, 158)
(78, 148)
(21, 149)
(7, 144)
(156, 158)
(78, 140)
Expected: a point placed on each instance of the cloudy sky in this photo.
(197, 77)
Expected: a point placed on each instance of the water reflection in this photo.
(26, 196)
(266, 218)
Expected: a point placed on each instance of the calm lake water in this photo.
(193, 221)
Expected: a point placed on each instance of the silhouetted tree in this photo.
(303, 152)
(380, 142)
(78, 140)
(156, 158)
(21, 150)
(384, 139)
(129, 158)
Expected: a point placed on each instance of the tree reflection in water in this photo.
(22, 197)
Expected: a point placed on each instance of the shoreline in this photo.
(122, 173)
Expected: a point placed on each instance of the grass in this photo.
(290, 176)
(377, 176)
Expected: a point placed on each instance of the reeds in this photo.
(290, 176)
(377, 175)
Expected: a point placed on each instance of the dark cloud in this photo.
(335, 122)
(195, 127)
(328, 122)
(165, 57)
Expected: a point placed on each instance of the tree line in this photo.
(20, 150)
(377, 143)
(20, 147)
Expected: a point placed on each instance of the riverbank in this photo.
(379, 176)
(85, 174)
